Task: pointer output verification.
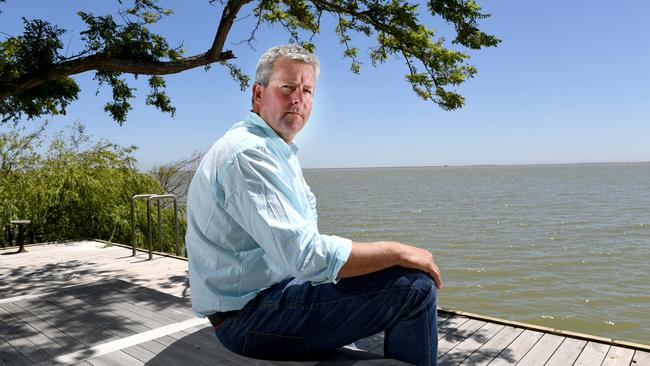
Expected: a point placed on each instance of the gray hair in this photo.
(290, 51)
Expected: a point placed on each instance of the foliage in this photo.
(78, 188)
(18, 150)
(175, 177)
(35, 77)
(35, 53)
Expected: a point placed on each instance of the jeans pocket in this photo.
(274, 346)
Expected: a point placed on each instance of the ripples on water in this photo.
(564, 246)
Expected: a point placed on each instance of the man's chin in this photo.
(293, 117)
(293, 120)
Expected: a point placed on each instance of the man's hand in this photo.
(422, 259)
(372, 257)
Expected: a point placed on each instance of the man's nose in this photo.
(297, 96)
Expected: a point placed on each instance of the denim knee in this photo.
(423, 288)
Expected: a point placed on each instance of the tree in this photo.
(175, 177)
(35, 77)
(77, 188)
(18, 149)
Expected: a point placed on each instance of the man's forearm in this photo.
(372, 257)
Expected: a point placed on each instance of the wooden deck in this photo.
(86, 303)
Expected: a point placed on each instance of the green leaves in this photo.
(122, 93)
(237, 74)
(464, 15)
(158, 98)
(133, 42)
(36, 55)
(33, 54)
(400, 34)
(78, 188)
(35, 76)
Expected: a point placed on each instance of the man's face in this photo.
(285, 103)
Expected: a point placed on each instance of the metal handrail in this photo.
(158, 198)
(133, 218)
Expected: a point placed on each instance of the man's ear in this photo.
(257, 94)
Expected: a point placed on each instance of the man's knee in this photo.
(422, 285)
(416, 286)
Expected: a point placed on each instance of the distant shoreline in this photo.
(477, 165)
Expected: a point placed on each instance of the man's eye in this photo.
(307, 91)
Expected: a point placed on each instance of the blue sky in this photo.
(569, 83)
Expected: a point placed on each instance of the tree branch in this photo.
(101, 62)
(227, 17)
(364, 15)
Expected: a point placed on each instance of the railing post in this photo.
(161, 245)
(173, 197)
(133, 217)
(157, 197)
(133, 225)
(149, 244)
(178, 249)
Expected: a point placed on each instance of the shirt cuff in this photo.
(340, 255)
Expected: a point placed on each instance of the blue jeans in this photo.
(296, 320)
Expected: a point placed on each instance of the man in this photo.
(270, 283)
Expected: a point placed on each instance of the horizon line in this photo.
(475, 165)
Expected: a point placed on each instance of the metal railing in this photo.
(157, 198)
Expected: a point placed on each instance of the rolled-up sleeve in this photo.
(311, 198)
(265, 203)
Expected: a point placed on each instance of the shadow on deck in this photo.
(86, 303)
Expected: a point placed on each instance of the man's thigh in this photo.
(293, 319)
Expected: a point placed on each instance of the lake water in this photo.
(564, 246)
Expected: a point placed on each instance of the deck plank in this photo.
(593, 354)
(139, 353)
(11, 356)
(119, 297)
(567, 353)
(517, 349)
(458, 335)
(465, 349)
(117, 358)
(373, 344)
(23, 340)
(185, 350)
(68, 324)
(152, 300)
(618, 356)
(495, 346)
(450, 325)
(110, 324)
(542, 351)
(205, 340)
(640, 358)
(19, 320)
(58, 340)
(169, 355)
(104, 314)
(56, 265)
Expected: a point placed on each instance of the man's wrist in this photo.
(394, 252)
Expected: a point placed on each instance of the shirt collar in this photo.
(256, 120)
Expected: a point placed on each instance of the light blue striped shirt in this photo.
(252, 222)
